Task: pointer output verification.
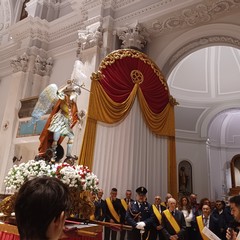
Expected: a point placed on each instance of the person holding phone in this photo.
(233, 233)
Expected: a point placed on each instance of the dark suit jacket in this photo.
(212, 226)
(100, 210)
(168, 230)
(156, 222)
(123, 215)
(118, 208)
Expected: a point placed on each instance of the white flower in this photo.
(74, 176)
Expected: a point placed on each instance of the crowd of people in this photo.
(168, 219)
(43, 204)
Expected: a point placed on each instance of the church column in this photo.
(8, 127)
(89, 52)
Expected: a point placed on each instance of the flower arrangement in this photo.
(79, 177)
(80, 180)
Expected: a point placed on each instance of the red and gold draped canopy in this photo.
(123, 75)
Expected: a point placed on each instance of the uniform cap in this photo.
(141, 190)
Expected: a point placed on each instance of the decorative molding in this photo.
(20, 64)
(196, 44)
(89, 38)
(43, 66)
(9, 52)
(133, 36)
(197, 14)
(35, 28)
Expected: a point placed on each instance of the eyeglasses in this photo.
(157, 198)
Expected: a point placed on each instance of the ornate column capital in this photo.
(89, 38)
(43, 66)
(20, 63)
(133, 36)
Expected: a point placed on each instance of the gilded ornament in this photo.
(122, 53)
(137, 76)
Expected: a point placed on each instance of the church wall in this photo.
(219, 160)
(219, 172)
(62, 68)
(195, 153)
(65, 8)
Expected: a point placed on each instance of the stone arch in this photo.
(210, 116)
(195, 39)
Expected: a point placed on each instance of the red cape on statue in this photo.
(46, 137)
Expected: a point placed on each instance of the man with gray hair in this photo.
(173, 222)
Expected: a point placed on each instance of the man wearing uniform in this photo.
(140, 216)
(125, 203)
(113, 214)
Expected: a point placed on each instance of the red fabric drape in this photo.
(118, 84)
(8, 236)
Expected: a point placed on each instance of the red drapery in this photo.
(8, 236)
(118, 84)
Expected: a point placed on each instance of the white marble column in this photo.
(9, 123)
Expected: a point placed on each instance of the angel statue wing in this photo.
(46, 100)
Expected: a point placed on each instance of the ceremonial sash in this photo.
(157, 214)
(124, 204)
(163, 204)
(112, 210)
(172, 220)
(201, 226)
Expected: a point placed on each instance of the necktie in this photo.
(205, 221)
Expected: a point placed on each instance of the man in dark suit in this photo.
(100, 207)
(113, 214)
(157, 227)
(206, 220)
(140, 216)
(223, 217)
(125, 202)
(173, 222)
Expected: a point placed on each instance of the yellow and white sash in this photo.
(124, 204)
(112, 210)
(157, 214)
(172, 221)
(201, 226)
